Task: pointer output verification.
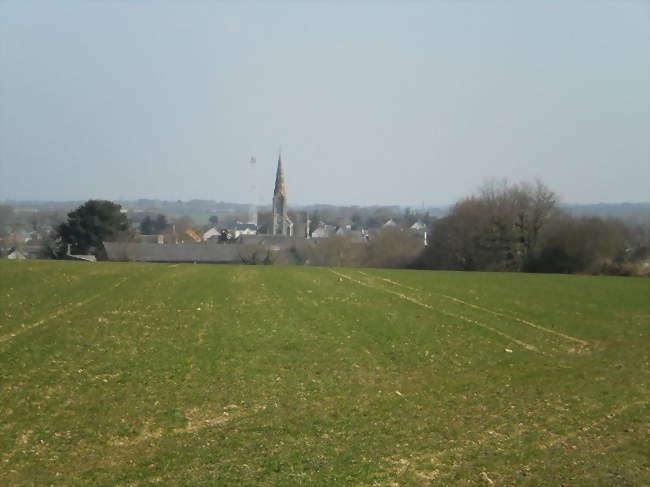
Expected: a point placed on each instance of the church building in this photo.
(280, 222)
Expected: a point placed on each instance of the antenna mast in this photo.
(252, 210)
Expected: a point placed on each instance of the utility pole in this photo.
(252, 210)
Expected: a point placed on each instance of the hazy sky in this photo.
(373, 103)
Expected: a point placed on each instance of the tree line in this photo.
(521, 227)
(504, 226)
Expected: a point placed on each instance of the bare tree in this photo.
(497, 229)
(393, 247)
(570, 244)
(336, 250)
(516, 212)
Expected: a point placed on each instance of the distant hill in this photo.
(633, 213)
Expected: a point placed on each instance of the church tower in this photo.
(279, 225)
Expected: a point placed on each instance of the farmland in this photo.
(151, 374)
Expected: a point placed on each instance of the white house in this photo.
(244, 229)
(323, 230)
(210, 233)
(418, 226)
(16, 255)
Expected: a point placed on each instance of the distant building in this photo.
(28, 251)
(142, 252)
(15, 255)
(300, 222)
(389, 223)
(323, 230)
(157, 239)
(212, 232)
(418, 226)
(192, 234)
(272, 242)
(80, 257)
(280, 223)
(244, 229)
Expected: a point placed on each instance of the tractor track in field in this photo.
(594, 424)
(390, 281)
(520, 320)
(526, 346)
(564, 336)
(56, 314)
(438, 459)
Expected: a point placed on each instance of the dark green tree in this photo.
(357, 223)
(151, 226)
(160, 224)
(214, 220)
(147, 225)
(89, 225)
(6, 215)
(314, 221)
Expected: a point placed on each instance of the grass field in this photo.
(151, 374)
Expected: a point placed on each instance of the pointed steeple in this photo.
(279, 215)
(279, 179)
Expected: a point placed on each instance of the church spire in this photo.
(279, 225)
(279, 179)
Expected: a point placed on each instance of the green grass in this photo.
(151, 374)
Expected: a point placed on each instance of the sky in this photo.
(372, 103)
